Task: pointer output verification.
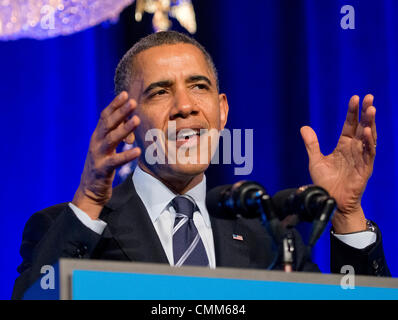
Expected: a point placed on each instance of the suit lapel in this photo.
(230, 252)
(129, 224)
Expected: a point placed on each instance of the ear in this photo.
(224, 108)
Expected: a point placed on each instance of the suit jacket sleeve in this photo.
(49, 235)
(367, 261)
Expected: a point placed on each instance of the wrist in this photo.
(87, 205)
(344, 223)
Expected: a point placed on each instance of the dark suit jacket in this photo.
(56, 232)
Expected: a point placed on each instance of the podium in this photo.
(110, 280)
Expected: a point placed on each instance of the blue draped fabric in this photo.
(49, 96)
(286, 64)
(282, 64)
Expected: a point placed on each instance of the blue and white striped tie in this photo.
(188, 248)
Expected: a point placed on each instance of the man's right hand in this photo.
(114, 125)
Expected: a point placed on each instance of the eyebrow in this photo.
(197, 78)
(161, 84)
(169, 83)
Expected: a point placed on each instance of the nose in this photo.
(183, 105)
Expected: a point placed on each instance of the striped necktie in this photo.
(188, 248)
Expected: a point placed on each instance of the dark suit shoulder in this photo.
(40, 222)
(34, 230)
(49, 213)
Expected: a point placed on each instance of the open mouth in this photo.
(187, 137)
(187, 134)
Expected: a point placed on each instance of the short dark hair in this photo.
(124, 70)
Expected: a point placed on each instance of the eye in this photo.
(158, 93)
(201, 86)
(161, 92)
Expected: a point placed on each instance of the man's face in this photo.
(174, 83)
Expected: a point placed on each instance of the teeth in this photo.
(186, 134)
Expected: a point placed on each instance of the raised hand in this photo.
(114, 125)
(345, 172)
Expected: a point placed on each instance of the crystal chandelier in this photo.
(182, 10)
(41, 19)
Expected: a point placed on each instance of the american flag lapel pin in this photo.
(237, 237)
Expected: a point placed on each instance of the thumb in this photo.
(311, 143)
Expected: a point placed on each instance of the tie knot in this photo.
(184, 205)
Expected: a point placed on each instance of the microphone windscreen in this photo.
(214, 202)
(281, 202)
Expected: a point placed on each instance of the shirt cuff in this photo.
(359, 240)
(97, 226)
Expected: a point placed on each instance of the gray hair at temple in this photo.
(124, 70)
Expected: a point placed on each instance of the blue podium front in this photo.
(115, 280)
(99, 285)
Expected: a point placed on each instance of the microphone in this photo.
(250, 200)
(215, 199)
(245, 198)
(239, 199)
(308, 203)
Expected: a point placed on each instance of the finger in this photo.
(369, 146)
(113, 120)
(351, 121)
(366, 103)
(119, 159)
(371, 121)
(130, 138)
(113, 138)
(311, 143)
(119, 100)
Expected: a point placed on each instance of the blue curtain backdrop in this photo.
(283, 64)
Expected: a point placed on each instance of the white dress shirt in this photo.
(157, 198)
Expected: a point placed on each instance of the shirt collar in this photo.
(156, 196)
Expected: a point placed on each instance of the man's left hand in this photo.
(345, 172)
